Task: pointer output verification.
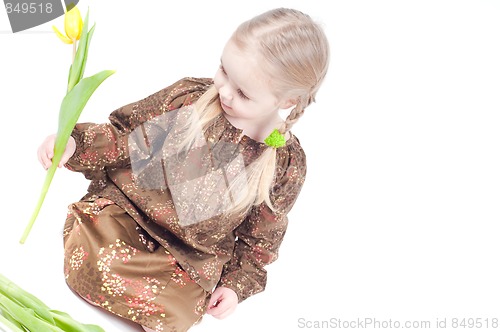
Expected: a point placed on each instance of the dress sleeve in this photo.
(261, 234)
(105, 145)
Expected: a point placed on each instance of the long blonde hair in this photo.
(294, 53)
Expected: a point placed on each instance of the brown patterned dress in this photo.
(125, 249)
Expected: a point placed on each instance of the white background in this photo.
(398, 219)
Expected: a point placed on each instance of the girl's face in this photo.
(243, 88)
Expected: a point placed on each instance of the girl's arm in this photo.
(261, 235)
(106, 145)
(98, 146)
(95, 147)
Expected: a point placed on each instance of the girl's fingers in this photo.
(43, 158)
(64, 159)
(46, 152)
(68, 152)
(222, 303)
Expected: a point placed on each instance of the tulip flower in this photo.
(73, 26)
(79, 91)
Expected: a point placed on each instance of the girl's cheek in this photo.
(218, 79)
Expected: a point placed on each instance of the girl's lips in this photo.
(225, 107)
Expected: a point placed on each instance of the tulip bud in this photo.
(73, 25)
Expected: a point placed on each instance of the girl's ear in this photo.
(287, 103)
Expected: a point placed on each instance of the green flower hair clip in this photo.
(275, 139)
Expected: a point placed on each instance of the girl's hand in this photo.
(46, 151)
(222, 303)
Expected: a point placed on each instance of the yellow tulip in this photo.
(73, 25)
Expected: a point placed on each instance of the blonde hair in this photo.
(294, 54)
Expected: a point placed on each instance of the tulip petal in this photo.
(73, 23)
(62, 37)
(80, 27)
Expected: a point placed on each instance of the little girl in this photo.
(191, 186)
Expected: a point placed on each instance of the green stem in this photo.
(48, 179)
(22, 297)
(74, 52)
(13, 326)
(71, 107)
(27, 316)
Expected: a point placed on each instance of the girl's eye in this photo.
(241, 94)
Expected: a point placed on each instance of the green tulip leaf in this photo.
(71, 108)
(21, 311)
(84, 61)
(78, 67)
(73, 104)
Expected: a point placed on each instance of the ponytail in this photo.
(294, 51)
